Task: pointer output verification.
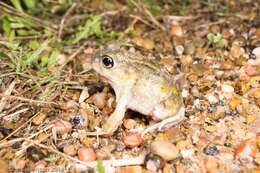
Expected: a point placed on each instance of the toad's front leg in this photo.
(116, 119)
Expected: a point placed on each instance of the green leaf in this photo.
(30, 3)
(100, 167)
(34, 44)
(217, 40)
(91, 27)
(17, 5)
(11, 36)
(6, 26)
(32, 57)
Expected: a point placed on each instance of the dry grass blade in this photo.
(37, 102)
(116, 163)
(148, 15)
(71, 57)
(6, 93)
(10, 142)
(64, 18)
(19, 128)
(8, 117)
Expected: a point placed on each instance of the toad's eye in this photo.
(107, 61)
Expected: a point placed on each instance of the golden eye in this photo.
(107, 61)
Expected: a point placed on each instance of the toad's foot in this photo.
(113, 122)
(167, 123)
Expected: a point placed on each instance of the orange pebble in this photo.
(246, 148)
(132, 140)
(129, 123)
(211, 165)
(87, 154)
(62, 127)
(176, 30)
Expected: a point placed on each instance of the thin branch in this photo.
(29, 100)
(19, 128)
(71, 57)
(64, 18)
(148, 14)
(10, 142)
(116, 163)
(6, 117)
(6, 93)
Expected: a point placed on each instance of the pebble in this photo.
(246, 149)
(176, 30)
(71, 104)
(164, 149)
(20, 163)
(189, 48)
(227, 88)
(212, 98)
(39, 118)
(236, 51)
(174, 134)
(153, 162)
(40, 164)
(99, 99)
(251, 70)
(129, 123)
(211, 165)
(234, 103)
(144, 42)
(62, 127)
(256, 52)
(132, 140)
(179, 49)
(77, 122)
(104, 153)
(211, 150)
(129, 169)
(87, 154)
(187, 153)
(70, 150)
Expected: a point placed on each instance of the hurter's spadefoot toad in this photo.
(140, 85)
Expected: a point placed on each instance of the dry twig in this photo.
(148, 14)
(64, 18)
(38, 102)
(71, 57)
(19, 128)
(6, 93)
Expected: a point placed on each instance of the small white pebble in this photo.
(187, 153)
(75, 135)
(227, 88)
(197, 103)
(184, 93)
(179, 49)
(212, 98)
